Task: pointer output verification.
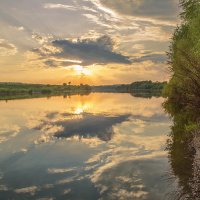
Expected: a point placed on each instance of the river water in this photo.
(98, 146)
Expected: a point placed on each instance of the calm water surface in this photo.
(100, 146)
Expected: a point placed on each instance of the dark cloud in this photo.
(88, 51)
(154, 57)
(159, 9)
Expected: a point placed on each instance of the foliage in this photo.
(183, 100)
(183, 90)
(147, 85)
(13, 90)
(146, 89)
(143, 85)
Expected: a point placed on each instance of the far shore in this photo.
(11, 91)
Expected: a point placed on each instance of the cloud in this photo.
(7, 49)
(86, 51)
(41, 39)
(59, 6)
(96, 20)
(154, 57)
(148, 23)
(162, 9)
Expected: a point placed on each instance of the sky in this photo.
(93, 42)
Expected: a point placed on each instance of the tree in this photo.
(183, 89)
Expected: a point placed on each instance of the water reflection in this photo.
(85, 125)
(101, 146)
(146, 94)
(184, 157)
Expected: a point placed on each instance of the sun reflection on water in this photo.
(110, 141)
(81, 108)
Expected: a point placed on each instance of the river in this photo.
(97, 146)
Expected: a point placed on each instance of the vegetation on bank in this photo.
(183, 101)
(15, 88)
(22, 90)
(183, 90)
(141, 86)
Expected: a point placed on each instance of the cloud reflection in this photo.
(8, 131)
(103, 143)
(85, 126)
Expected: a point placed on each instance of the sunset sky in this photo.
(85, 41)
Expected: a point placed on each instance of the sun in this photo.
(80, 70)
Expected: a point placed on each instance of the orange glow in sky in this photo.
(80, 70)
(113, 42)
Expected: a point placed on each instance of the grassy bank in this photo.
(21, 90)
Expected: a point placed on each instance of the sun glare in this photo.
(81, 108)
(79, 111)
(80, 70)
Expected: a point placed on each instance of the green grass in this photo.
(21, 91)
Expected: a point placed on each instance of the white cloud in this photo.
(21, 28)
(57, 6)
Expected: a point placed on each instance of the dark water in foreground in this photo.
(100, 146)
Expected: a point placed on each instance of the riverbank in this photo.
(9, 91)
(183, 101)
(22, 90)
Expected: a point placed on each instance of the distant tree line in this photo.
(8, 89)
(143, 85)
